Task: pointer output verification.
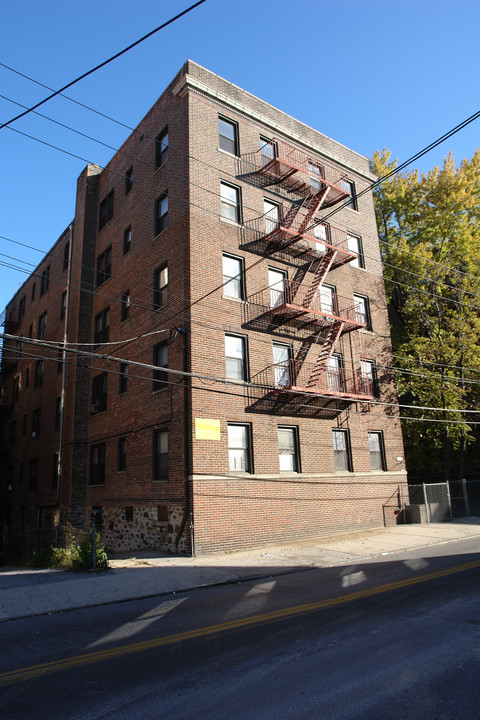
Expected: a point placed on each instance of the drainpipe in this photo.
(64, 370)
(186, 442)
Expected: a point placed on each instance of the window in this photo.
(161, 214)
(66, 254)
(288, 453)
(348, 186)
(233, 277)
(277, 284)
(230, 202)
(106, 210)
(125, 310)
(123, 379)
(30, 331)
(377, 450)
(104, 266)
(282, 356)
(268, 150)
(122, 454)
(36, 422)
(327, 296)
(99, 393)
(63, 304)
(55, 470)
(42, 325)
(228, 135)
(335, 373)
(21, 308)
(341, 450)
(102, 327)
(33, 292)
(160, 358)
(368, 370)
(127, 240)
(161, 148)
(235, 357)
(33, 475)
(239, 447)
(354, 244)
(160, 455)
(271, 212)
(58, 408)
(160, 287)
(27, 376)
(44, 281)
(362, 311)
(128, 180)
(16, 388)
(316, 174)
(321, 235)
(97, 464)
(38, 378)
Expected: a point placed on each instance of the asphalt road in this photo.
(401, 641)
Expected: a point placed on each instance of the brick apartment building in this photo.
(227, 241)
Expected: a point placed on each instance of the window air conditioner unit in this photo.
(95, 407)
(34, 434)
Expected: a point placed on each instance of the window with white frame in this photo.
(362, 310)
(316, 174)
(235, 357)
(271, 212)
(320, 233)
(335, 373)
(368, 370)
(228, 135)
(268, 150)
(377, 450)
(233, 278)
(282, 361)
(288, 452)
(277, 280)
(239, 447)
(230, 202)
(354, 244)
(341, 450)
(348, 186)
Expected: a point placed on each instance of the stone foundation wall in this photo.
(126, 529)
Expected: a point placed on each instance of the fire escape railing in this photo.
(332, 381)
(293, 303)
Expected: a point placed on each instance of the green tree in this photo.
(430, 244)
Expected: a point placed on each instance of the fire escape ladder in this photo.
(319, 276)
(314, 205)
(325, 353)
(301, 356)
(293, 211)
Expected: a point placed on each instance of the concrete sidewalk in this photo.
(28, 592)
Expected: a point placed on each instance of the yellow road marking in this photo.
(34, 671)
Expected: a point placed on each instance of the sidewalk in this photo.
(28, 592)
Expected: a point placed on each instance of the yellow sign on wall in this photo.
(207, 429)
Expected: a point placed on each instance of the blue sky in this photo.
(370, 74)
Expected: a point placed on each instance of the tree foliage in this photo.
(430, 244)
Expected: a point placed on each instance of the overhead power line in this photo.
(102, 64)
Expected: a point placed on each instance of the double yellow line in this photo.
(34, 671)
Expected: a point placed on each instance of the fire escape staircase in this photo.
(300, 304)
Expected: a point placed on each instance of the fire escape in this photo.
(304, 307)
